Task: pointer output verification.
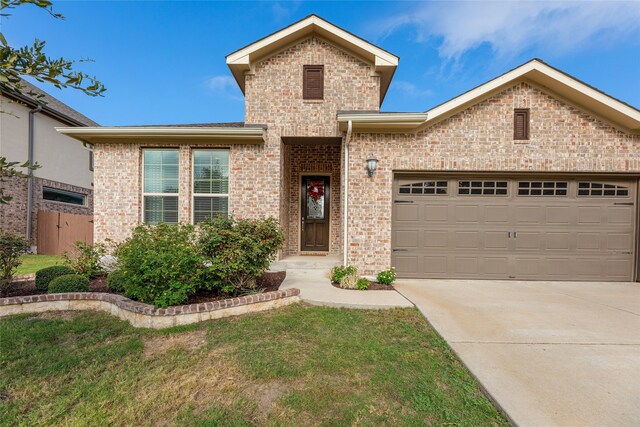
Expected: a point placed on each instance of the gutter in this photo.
(345, 205)
(31, 142)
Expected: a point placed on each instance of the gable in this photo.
(383, 63)
(552, 121)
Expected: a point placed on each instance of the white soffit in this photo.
(191, 135)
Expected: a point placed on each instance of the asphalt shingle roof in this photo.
(53, 104)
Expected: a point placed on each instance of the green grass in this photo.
(33, 263)
(298, 365)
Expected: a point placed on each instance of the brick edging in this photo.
(145, 315)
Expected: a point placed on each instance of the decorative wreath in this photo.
(315, 190)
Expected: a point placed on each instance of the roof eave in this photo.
(165, 135)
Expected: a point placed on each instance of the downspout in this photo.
(32, 113)
(346, 192)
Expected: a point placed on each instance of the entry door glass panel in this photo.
(315, 199)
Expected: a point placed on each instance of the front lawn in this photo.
(298, 365)
(33, 263)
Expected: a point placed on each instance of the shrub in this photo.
(85, 259)
(339, 271)
(115, 281)
(237, 252)
(46, 275)
(363, 284)
(386, 277)
(69, 283)
(11, 247)
(161, 264)
(350, 280)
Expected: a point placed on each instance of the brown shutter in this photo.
(521, 124)
(313, 82)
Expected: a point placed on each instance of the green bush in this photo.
(85, 259)
(69, 283)
(115, 281)
(46, 275)
(11, 248)
(339, 271)
(237, 252)
(350, 280)
(161, 264)
(386, 277)
(363, 284)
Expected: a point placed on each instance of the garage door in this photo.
(513, 228)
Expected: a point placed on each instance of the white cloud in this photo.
(513, 27)
(224, 86)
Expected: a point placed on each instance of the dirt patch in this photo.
(374, 286)
(163, 343)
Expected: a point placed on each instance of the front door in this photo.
(315, 213)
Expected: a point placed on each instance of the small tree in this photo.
(85, 259)
(32, 61)
(11, 247)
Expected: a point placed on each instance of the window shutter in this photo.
(313, 82)
(521, 124)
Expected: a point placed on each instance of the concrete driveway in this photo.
(550, 353)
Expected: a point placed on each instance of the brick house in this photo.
(64, 181)
(532, 175)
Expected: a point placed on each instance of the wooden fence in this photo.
(58, 232)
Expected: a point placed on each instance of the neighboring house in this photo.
(64, 181)
(532, 175)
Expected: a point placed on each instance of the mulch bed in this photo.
(270, 281)
(374, 286)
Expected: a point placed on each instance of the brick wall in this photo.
(273, 96)
(480, 138)
(307, 160)
(13, 215)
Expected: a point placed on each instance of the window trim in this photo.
(142, 204)
(527, 118)
(507, 188)
(193, 181)
(304, 82)
(67, 192)
(555, 188)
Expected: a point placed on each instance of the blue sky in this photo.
(164, 62)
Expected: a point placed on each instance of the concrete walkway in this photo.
(311, 275)
(550, 353)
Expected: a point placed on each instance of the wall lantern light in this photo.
(372, 165)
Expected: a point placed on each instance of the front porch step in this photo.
(306, 263)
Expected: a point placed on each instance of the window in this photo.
(210, 184)
(425, 187)
(521, 124)
(160, 186)
(542, 188)
(482, 188)
(62, 196)
(600, 189)
(91, 161)
(313, 82)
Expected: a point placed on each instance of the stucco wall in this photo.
(480, 138)
(62, 159)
